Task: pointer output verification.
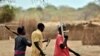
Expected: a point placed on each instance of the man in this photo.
(21, 42)
(37, 39)
(61, 48)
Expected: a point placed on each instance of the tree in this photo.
(66, 8)
(39, 8)
(31, 9)
(90, 11)
(7, 14)
(49, 6)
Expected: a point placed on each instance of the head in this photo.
(21, 30)
(60, 30)
(41, 27)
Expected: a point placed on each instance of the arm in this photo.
(37, 46)
(26, 42)
(64, 43)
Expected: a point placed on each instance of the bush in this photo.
(7, 14)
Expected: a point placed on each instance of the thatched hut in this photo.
(91, 35)
(6, 34)
(75, 32)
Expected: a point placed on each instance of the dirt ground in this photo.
(7, 46)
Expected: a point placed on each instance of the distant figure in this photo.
(61, 48)
(37, 40)
(21, 42)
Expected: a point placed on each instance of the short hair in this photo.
(40, 25)
(20, 30)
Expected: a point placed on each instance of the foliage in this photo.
(53, 13)
(7, 14)
(90, 11)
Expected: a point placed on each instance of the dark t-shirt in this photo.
(21, 43)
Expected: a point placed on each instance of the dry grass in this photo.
(7, 46)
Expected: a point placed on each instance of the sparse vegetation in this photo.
(7, 14)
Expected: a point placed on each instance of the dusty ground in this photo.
(7, 46)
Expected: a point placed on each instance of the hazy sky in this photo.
(72, 3)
